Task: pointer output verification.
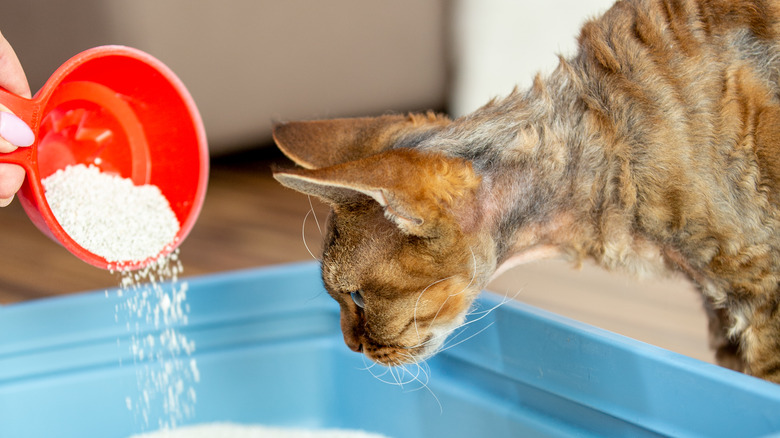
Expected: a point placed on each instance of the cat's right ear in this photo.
(323, 143)
(418, 191)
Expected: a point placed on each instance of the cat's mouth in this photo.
(396, 355)
(416, 350)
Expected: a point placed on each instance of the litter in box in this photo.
(228, 430)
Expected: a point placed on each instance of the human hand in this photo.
(13, 131)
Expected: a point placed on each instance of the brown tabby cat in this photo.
(656, 147)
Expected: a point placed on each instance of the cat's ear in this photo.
(324, 143)
(417, 190)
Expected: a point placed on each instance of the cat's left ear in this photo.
(418, 190)
(322, 143)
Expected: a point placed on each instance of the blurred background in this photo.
(249, 63)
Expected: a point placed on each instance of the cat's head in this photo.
(406, 251)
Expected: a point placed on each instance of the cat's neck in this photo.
(546, 191)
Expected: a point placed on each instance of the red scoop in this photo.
(125, 112)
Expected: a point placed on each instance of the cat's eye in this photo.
(357, 297)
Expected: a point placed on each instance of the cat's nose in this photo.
(354, 345)
(352, 338)
(352, 328)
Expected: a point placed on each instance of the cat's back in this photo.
(668, 33)
(675, 78)
(687, 92)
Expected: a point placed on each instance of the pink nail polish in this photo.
(15, 131)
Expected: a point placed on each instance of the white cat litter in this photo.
(113, 218)
(229, 430)
(109, 215)
(166, 372)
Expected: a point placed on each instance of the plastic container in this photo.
(269, 351)
(124, 111)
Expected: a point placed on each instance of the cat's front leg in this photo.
(760, 341)
(726, 348)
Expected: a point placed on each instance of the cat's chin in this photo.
(399, 356)
(392, 356)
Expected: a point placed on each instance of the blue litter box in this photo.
(269, 351)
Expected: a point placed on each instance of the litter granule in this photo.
(154, 311)
(109, 215)
(228, 430)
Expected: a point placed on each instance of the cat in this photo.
(655, 148)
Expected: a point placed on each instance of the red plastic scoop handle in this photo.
(25, 109)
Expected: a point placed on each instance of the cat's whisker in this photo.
(379, 377)
(395, 381)
(417, 303)
(400, 375)
(424, 384)
(448, 347)
(482, 314)
(367, 367)
(473, 277)
(303, 233)
(412, 376)
(505, 300)
(438, 402)
(314, 213)
(396, 378)
(440, 340)
(420, 370)
(397, 375)
(474, 270)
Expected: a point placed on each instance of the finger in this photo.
(11, 179)
(6, 146)
(12, 76)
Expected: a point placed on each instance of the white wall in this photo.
(248, 62)
(502, 43)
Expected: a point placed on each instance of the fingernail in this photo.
(14, 130)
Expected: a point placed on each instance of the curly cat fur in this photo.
(656, 147)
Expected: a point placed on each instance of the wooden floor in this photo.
(248, 220)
